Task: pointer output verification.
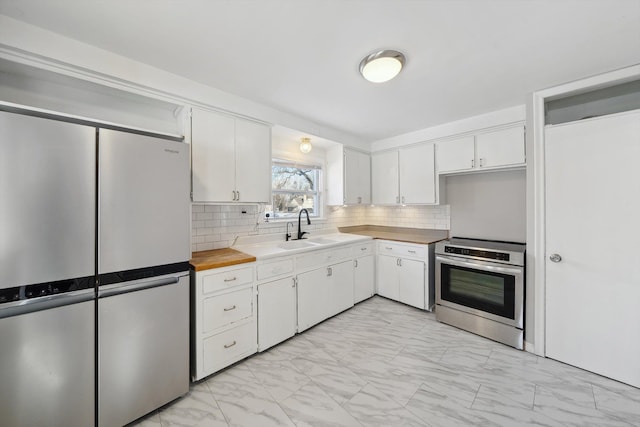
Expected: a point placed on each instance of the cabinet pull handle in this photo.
(238, 195)
(388, 248)
(402, 199)
(230, 280)
(230, 345)
(329, 272)
(481, 162)
(359, 199)
(234, 195)
(397, 199)
(412, 252)
(363, 249)
(473, 163)
(355, 262)
(399, 262)
(230, 308)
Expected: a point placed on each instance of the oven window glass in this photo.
(487, 291)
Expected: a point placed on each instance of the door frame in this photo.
(536, 209)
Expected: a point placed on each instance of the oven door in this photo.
(490, 290)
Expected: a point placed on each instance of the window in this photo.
(294, 187)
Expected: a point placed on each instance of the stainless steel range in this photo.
(480, 288)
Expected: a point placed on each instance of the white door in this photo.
(592, 209)
(357, 178)
(417, 174)
(313, 298)
(364, 278)
(456, 155)
(384, 178)
(341, 287)
(387, 276)
(253, 161)
(411, 283)
(276, 312)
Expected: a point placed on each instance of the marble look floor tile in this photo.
(311, 406)
(440, 409)
(618, 400)
(151, 420)
(334, 378)
(371, 407)
(280, 378)
(197, 408)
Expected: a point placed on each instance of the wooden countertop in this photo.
(216, 258)
(398, 234)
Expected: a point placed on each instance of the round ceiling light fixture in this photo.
(382, 66)
(305, 145)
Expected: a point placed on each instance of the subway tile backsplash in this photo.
(217, 226)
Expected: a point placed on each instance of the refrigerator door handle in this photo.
(124, 288)
(45, 303)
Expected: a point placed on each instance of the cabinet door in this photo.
(387, 277)
(313, 298)
(341, 287)
(501, 148)
(213, 156)
(417, 174)
(364, 278)
(276, 312)
(455, 155)
(384, 178)
(357, 177)
(253, 161)
(411, 282)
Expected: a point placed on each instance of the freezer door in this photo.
(143, 347)
(47, 200)
(144, 203)
(47, 367)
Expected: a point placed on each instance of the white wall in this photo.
(488, 205)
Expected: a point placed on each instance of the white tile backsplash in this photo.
(217, 226)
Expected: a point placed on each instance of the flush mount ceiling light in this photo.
(382, 66)
(305, 145)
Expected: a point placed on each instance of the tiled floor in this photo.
(386, 364)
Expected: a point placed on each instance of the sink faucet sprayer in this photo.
(300, 232)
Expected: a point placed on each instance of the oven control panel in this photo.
(478, 253)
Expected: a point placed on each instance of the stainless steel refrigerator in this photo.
(143, 253)
(94, 292)
(47, 272)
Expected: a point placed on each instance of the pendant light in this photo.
(382, 66)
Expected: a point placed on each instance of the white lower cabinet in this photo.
(404, 272)
(324, 292)
(276, 312)
(224, 316)
(364, 284)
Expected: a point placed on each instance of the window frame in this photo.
(316, 194)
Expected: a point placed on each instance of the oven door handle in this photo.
(479, 265)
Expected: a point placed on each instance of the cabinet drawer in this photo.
(275, 268)
(362, 249)
(225, 309)
(406, 251)
(317, 258)
(223, 280)
(228, 347)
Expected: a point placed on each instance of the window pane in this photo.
(292, 178)
(289, 204)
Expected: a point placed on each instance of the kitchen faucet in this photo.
(300, 232)
(287, 236)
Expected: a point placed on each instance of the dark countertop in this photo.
(216, 258)
(399, 234)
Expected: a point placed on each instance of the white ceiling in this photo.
(464, 57)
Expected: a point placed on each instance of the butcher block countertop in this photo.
(216, 258)
(398, 234)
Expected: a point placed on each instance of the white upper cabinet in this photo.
(385, 178)
(417, 174)
(456, 155)
(501, 148)
(404, 176)
(231, 158)
(348, 177)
